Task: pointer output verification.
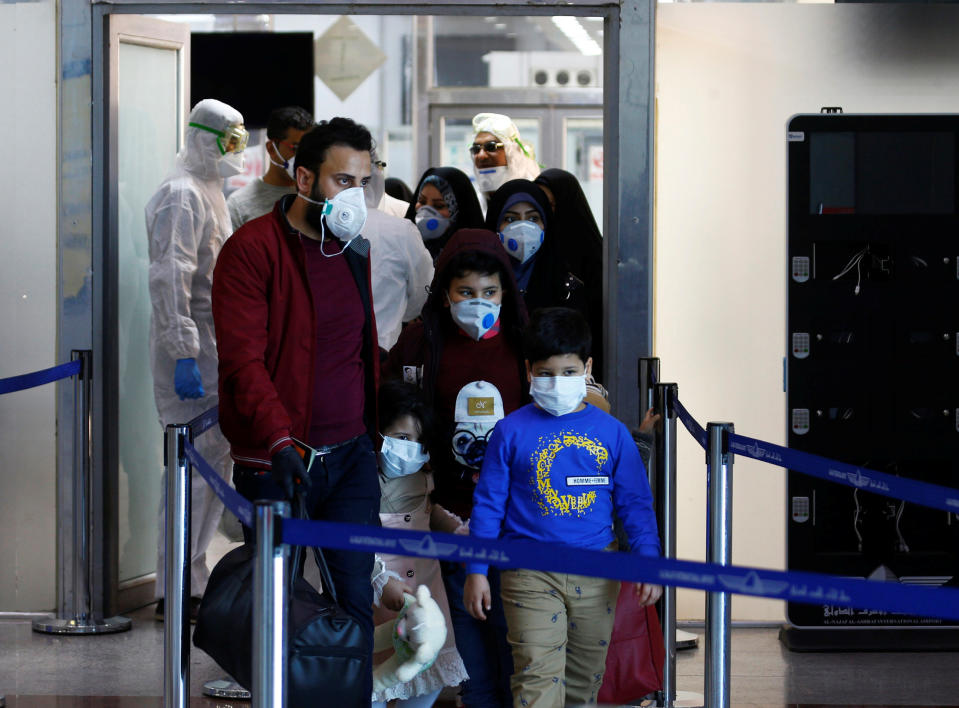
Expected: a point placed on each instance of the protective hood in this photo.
(514, 191)
(200, 153)
(468, 213)
(512, 312)
(520, 157)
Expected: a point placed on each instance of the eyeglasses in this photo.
(488, 146)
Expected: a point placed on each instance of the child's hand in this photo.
(476, 595)
(392, 598)
(648, 593)
(649, 421)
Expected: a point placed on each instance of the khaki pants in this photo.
(559, 628)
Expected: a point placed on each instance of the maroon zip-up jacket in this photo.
(266, 336)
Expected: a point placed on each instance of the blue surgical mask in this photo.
(399, 458)
(522, 239)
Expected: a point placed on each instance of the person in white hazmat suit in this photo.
(499, 154)
(401, 269)
(187, 223)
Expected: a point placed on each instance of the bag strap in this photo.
(299, 511)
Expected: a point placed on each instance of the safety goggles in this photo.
(233, 139)
(489, 146)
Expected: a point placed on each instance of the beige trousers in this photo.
(559, 628)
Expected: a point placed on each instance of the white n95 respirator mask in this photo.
(489, 179)
(475, 317)
(431, 223)
(522, 239)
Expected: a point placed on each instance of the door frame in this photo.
(83, 201)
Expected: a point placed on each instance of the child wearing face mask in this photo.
(407, 428)
(470, 332)
(556, 471)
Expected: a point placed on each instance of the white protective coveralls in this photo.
(520, 157)
(187, 224)
(401, 268)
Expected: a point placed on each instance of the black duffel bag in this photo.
(328, 660)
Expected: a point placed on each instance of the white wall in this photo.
(728, 78)
(28, 303)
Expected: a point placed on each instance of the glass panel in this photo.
(458, 136)
(147, 141)
(583, 156)
(553, 52)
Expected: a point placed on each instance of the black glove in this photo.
(289, 473)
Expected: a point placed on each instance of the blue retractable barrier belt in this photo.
(241, 508)
(931, 495)
(203, 422)
(694, 428)
(831, 591)
(38, 378)
(793, 586)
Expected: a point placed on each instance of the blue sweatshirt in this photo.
(558, 479)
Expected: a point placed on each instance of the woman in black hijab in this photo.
(444, 202)
(547, 261)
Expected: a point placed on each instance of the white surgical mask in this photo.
(345, 215)
(230, 164)
(285, 164)
(399, 458)
(522, 239)
(489, 179)
(431, 223)
(475, 317)
(558, 395)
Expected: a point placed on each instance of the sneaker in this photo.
(194, 609)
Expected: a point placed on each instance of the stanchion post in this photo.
(719, 544)
(666, 511)
(270, 606)
(176, 590)
(83, 618)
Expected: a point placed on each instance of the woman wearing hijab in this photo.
(445, 202)
(577, 236)
(547, 273)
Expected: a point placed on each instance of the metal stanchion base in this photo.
(111, 625)
(225, 688)
(686, 640)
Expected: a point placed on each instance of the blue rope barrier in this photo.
(203, 422)
(38, 378)
(931, 495)
(694, 428)
(793, 586)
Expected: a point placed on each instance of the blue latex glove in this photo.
(186, 379)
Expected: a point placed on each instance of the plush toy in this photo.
(416, 635)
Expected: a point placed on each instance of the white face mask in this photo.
(489, 179)
(344, 214)
(230, 164)
(558, 395)
(475, 317)
(285, 164)
(431, 223)
(522, 239)
(399, 458)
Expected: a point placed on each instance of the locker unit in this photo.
(872, 343)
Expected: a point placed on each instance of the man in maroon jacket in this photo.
(296, 337)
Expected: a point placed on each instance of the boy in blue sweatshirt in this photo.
(556, 470)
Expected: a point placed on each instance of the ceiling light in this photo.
(578, 35)
(500, 26)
